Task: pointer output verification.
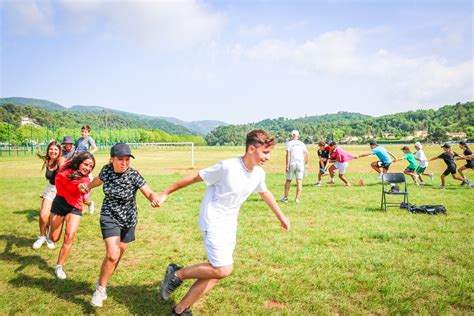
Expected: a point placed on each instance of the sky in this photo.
(239, 61)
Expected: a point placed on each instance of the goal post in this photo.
(167, 145)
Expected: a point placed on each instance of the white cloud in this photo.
(23, 17)
(166, 24)
(416, 80)
(259, 30)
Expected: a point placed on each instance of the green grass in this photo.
(342, 255)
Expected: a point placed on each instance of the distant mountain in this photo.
(51, 106)
(168, 124)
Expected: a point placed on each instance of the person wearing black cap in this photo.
(448, 157)
(384, 162)
(118, 217)
(467, 152)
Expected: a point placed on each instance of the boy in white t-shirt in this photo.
(229, 183)
(421, 157)
(296, 165)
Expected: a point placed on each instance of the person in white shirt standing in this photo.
(296, 163)
(421, 157)
(229, 183)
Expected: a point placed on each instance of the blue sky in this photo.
(239, 61)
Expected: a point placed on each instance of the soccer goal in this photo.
(172, 147)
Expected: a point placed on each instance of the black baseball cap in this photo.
(446, 145)
(462, 143)
(373, 144)
(120, 150)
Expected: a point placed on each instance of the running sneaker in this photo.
(284, 199)
(431, 175)
(441, 187)
(422, 183)
(186, 312)
(59, 272)
(318, 184)
(91, 208)
(379, 176)
(39, 242)
(99, 296)
(170, 281)
(50, 243)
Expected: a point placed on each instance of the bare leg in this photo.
(207, 277)
(56, 226)
(331, 173)
(375, 167)
(456, 177)
(343, 178)
(299, 188)
(420, 178)
(443, 179)
(115, 250)
(287, 187)
(461, 171)
(45, 213)
(72, 224)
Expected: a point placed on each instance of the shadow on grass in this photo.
(138, 299)
(31, 215)
(23, 261)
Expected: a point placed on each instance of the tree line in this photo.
(449, 118)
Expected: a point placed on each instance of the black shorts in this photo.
(450, 170)
(383, 165)
(469, 166)
(411, 170)
(61, 207)
(110, 228)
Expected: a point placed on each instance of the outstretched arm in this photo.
(84, 188)
(184, 182)
(271, 202)
(434, 158)
(149, 194)
(362, 155)
(393, 156)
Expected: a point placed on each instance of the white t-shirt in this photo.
(297, 149)
(229, 185)
(420, 155)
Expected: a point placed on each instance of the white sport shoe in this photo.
(39, 242)
(50, 243)
(441, 187)
(91, 208)
(59, 272)
(284, 199)
(318, 184)
(431, 175)
(422, 183)
(99, 296)
(379, 176)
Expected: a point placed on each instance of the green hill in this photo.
(169, 124)
(449, 118)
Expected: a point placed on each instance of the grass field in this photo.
(342, 255)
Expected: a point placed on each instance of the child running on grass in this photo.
(67, 205)
(381, 166)
(229, 183)
(51, 164)
(340, 159)
(412, 165)
(467, 152)
(323, 155)
(448, 157)
(421, 157)
(118, 217)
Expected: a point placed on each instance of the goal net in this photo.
(171, 151)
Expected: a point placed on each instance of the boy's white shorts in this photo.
(341, 166)
(219, 247)
(296, 169)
